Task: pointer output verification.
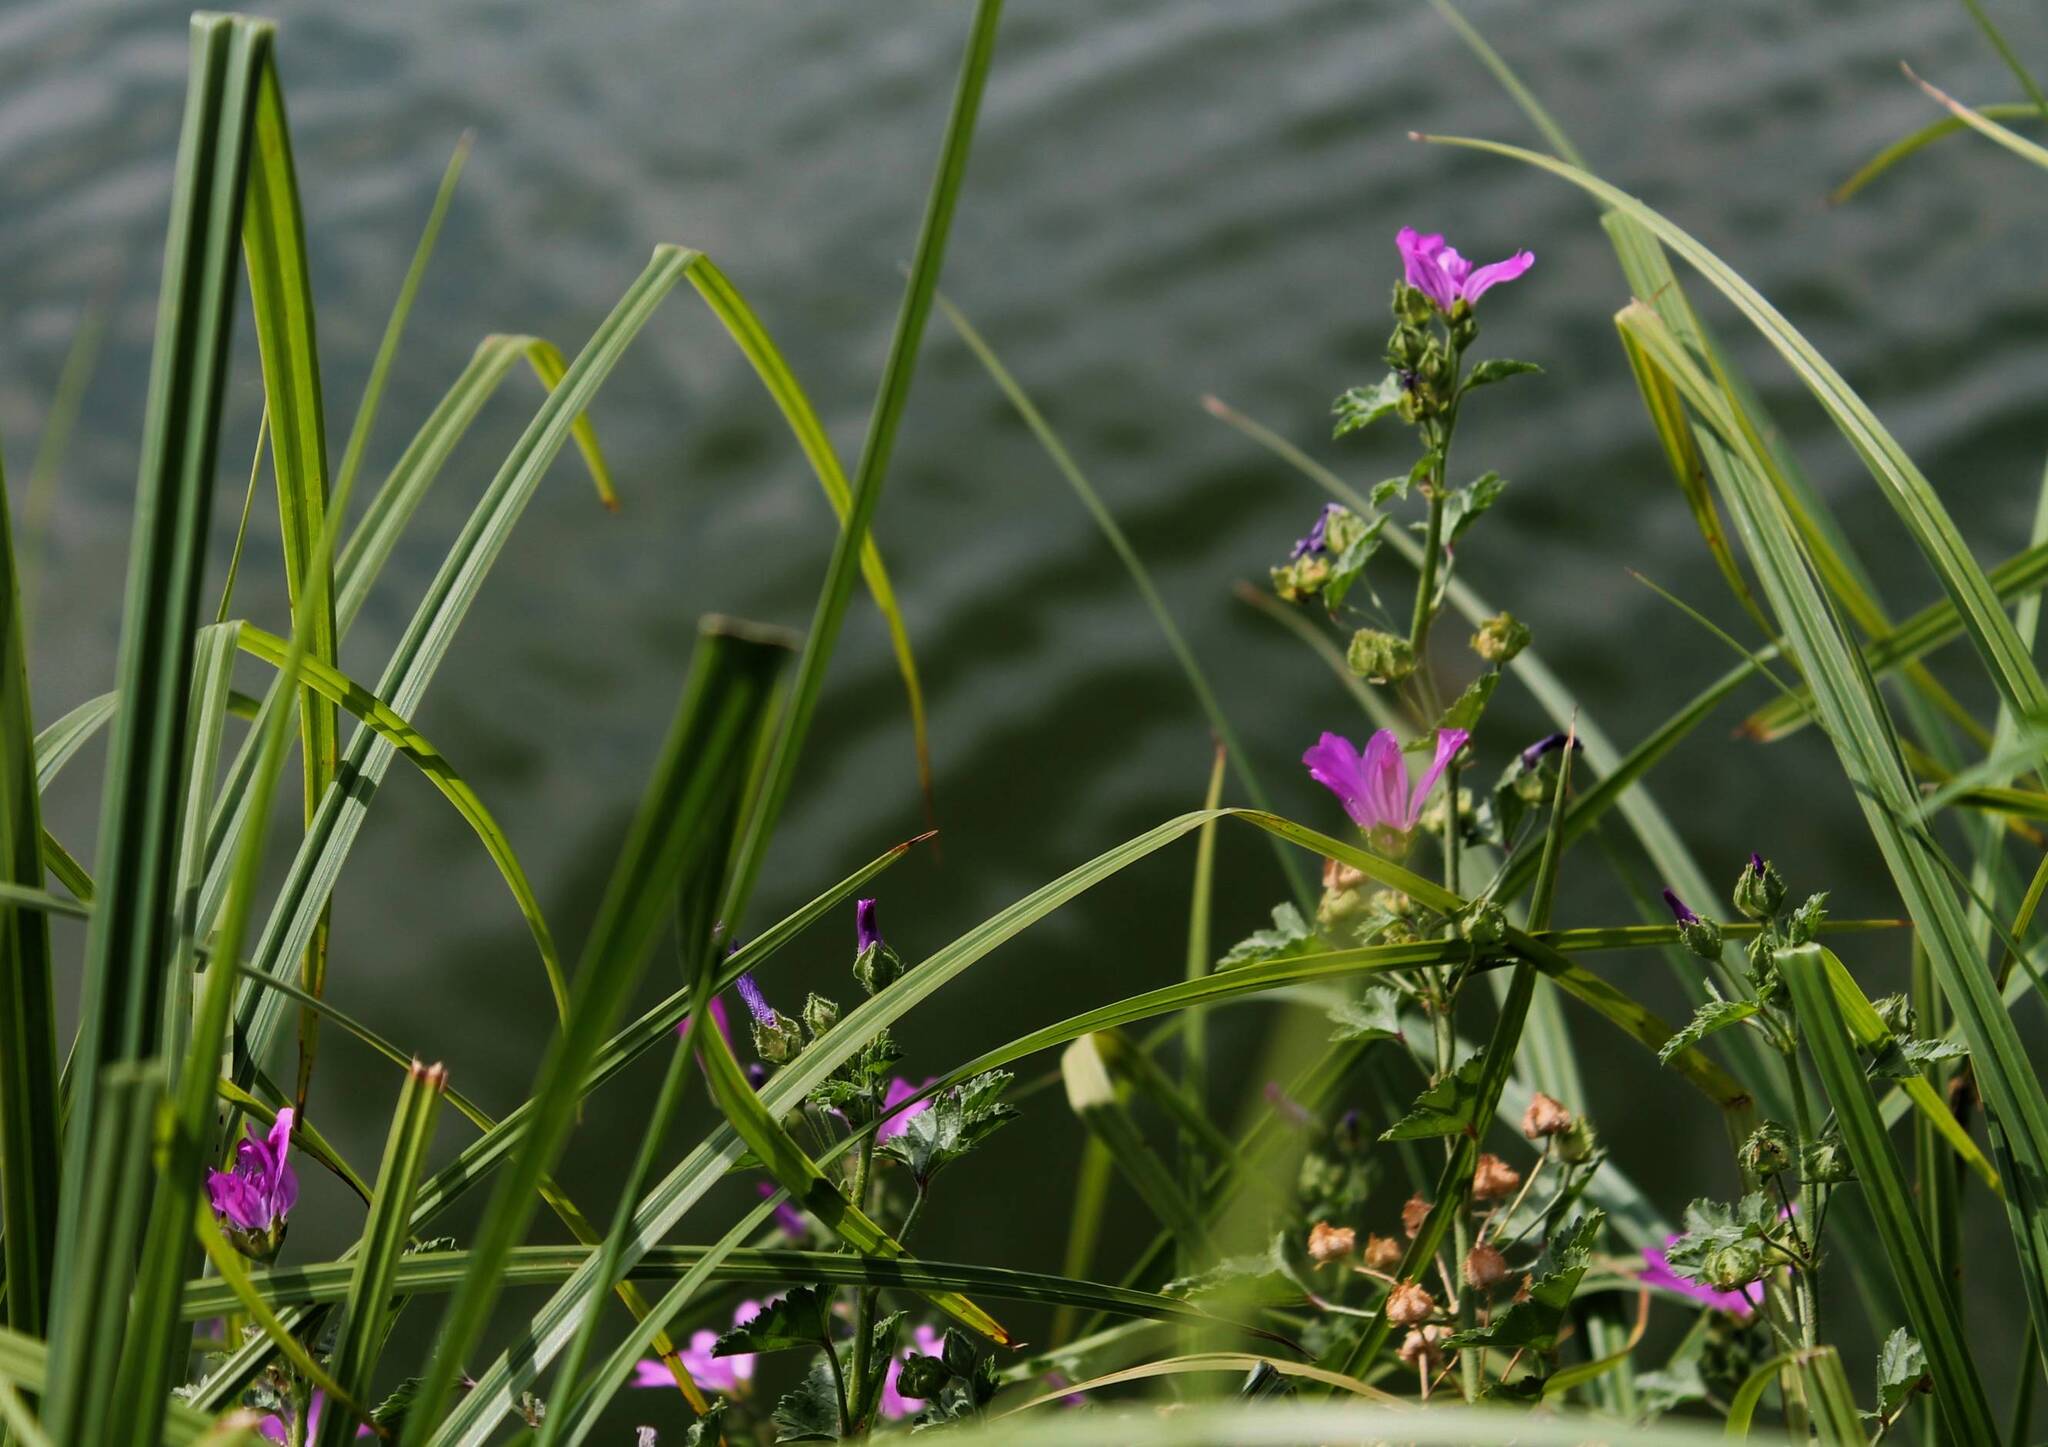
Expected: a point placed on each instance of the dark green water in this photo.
(1167, 199)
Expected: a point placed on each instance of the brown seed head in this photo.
(1545, 1117)
(1327, 1243)
(1382, 1253)
(1413, 1215)
(1494, 1178)
(1485, 1266)
(1410, 1305)
(1424, 1344)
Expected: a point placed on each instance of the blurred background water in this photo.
(1167, 198)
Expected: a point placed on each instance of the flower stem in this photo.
(864, 1309)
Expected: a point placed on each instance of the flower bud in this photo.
(1413, 1214)
(1730, 1268)
(1897, 1013)
(1485, 1266)
(1410, 1304)
(1500, 638)
(1545, 1117)
(820, 1014)
(1494, 1178)
(1825, 1162)
(921, 1376)
(1700, 935)
(1579, 1143)
(877, 967)
(1301, 578)
(1464, 325)
(1411, 307)
(1760, 891)
(1327, 1243)
(1339, 875)
(1336, 906)
(1382, 1253)
(1379, 657)
(1767, 1152)
(1485, 924)
(778, 1041)
(1424, 1344)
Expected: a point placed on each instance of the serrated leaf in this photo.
(1464, 713)
(1376, 1015)
(1465, 504)
(1350, 564)
(1901, 1370)
(1362, 406)
(1289, 936)
(1532, 1323)
(1497, 369)
(1902, 1056)
(1446, 1108)
(1713, 1016)
(881, 1347)
(957, 1121)
(809, 1412)
(1387, 491)
(704, 1432)
(1710, 1225)
(799, 1319)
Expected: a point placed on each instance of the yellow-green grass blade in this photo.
(1916, 141)
(808, 1186)
(1869, 753)
(81, 359)
(302, 899)
(1105, 521)
(2011, 57)
(1194, 1048)
(30, 1150)
(232, 1276)
(877, 448)
(1095, 1101)
(682, 827)
(1931, 1312)
(751, 336)
(25, 1361)
(56, 744)
(1991, 632)
(227, 587)
(366, 1311)
(335, 686)
(1982, 124)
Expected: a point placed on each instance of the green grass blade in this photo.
(80, 361)
(1105, 520)
(56, 744)
(336, 687)
(30, 1150)
(1926, 520)
(1093, 1098)
(2011, 58)
(1836, 1422)
(1958, 1393)
(678, 830)
(232, 1276)
(227, 587)
(1869, 753)
(876, 449)
(1916, 141)
(367, 1310)
(1982, 124)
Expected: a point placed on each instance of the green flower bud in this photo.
(1825, 1162)
(1464, 325)
(1380, 657)
(922, 1376)
(1338, 905)
(1341, 529)
(1578, 1144)
(778, 1040)
(1301, 578)
(1411, 308)
(820, 1014)
(1500, 638)
(1730, 1268)
(877, 967)
(1485, 924)
(1767, 1152)
(1760, 891)
(1897, 1013)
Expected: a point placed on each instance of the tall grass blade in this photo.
(1916, 141)
(694, 788)
(1093, 1097)
(1982, 124)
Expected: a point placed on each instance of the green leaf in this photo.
(802, 1317)
(1360, 407)
(706, 1430)
(809, 1412)
(1496, 369)
(1533, 1321)
(1714, 1016)
(1465, 712)
(1449, 1107)
(1903, 1057)
(1464, 505)
(1289, 938)
(1375, 1015)
(954, 1124)
(1349, 565)
(1711, 1225)
(1901, 1371)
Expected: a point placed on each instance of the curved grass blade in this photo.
(31, 1152)
(1926, 520)
(56, 744)
(1916, 141)
(1093, 1098)
(242, 1295)
(1208, 1362)
(681, 828)
(335, 686)
(877, 447)
(227, 587)
(2011, 58)
(25, 1361)
(1982, 124)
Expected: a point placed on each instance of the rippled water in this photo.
(1166, 199)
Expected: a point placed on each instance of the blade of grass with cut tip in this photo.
(680, 828)
(1915, 141)
(31, 1153)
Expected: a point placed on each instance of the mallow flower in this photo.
(716, 1374)
(1373, 786)
(253, 1198)
(1657, 1272)
(1446, 278)
(276, 1428)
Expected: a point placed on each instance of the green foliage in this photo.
(955, 1123)
(799, 1318)
(1360, 407)
(1449, 1107)
(1374, 1015)
(1532, 1322)
(1289, 938)
(1708, 1019)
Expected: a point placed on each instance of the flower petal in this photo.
(1487, 277)
(1335, 764)
(1448, 742)
(1419, 257)
(1386, 779)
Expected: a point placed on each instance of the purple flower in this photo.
(866, 934)
(1548, 744)
(1373, 786)
(1446, 278)
(1680, 911)
(899, 1091)
(718, 1374)
(1657, 1272)
(896, 1406)
(1756, 862)
(788, 1220)
(717, 1013)
(757, 1003)
(274, 1428)
(1317, 539)
(261, 1190)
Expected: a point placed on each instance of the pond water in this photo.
(1168, 198)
